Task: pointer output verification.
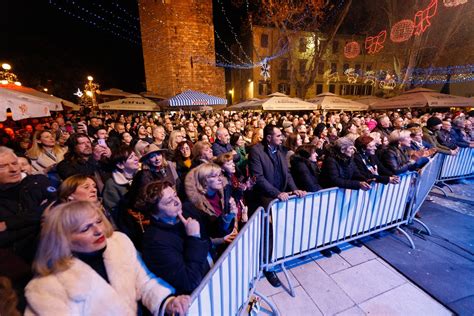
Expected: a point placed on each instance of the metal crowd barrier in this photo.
(227, 287)
(458, 166)
(330, 217)
(427, 179)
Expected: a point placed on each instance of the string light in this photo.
(352, 50)
(453, 3)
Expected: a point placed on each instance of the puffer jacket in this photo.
(396, 160)
(339, 171)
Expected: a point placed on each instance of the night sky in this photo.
(51, 48)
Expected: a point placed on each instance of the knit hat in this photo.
(433, 121)
(362, 142)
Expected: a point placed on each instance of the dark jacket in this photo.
(305, 173)
(445, 138)
(430, 137)
(21, 208)
(396, 160)
(179, 259)
(340, 171)
(458, 137)
(262, 167)
(363, 163)
(218, 148)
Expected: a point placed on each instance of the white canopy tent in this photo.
(421, 97)
(23, 106)
(281, 102)
(369, 100)
(114, 92)
(55, 103)
(330, 102)
(249, 105)
(133, 102)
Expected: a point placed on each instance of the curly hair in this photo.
(151, 195)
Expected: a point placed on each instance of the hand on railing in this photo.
(178, 305)
(364, 186)
(283, 196)
(229, 238)
(394, 180)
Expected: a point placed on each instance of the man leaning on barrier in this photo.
(267, 162)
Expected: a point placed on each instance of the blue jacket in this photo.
(218, 148)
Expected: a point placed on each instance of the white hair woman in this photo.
(85, 268)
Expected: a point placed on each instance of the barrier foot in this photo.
(407, 236)
(428, 231)
(290, 289)
(269, 303)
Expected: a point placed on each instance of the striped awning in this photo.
(195, 98)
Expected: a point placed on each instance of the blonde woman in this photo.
(215, 208)
(44, 153)
(83, 267)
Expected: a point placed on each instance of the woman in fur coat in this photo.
(83, 267)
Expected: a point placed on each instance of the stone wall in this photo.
(178, 45)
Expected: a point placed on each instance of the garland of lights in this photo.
(402, 31)
(422, 17)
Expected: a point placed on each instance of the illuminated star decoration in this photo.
(265, 69)
(79, 93)
(422, 17)
(351, 75)
(373, 44)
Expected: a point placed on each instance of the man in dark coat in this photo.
(22, 202)
(268, 164)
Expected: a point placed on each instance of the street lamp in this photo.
(8, 77)
(91, 88)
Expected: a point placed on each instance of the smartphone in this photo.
(101, 142)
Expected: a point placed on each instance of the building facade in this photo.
(178, 47)
(290, 62)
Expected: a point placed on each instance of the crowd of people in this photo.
(137, 208)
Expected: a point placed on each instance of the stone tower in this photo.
(178, 47)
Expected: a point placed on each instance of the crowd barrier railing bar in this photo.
(458, 166)
(227, 287)
(333, 216)
(428, 176)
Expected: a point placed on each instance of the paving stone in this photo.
(357, 255)
(404, 300)
(353, 311)
(295, 306)
(324, 291)
(267, 289)
(334, 264)
(367, 280)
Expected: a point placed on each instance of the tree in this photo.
(319, 20)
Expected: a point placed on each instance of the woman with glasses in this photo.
(183, 158)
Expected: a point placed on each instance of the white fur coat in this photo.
(81, 291)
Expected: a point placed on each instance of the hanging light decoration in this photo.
(402, 31)
(374, 44)
(352, 50)
(8, 77)
(453, 3)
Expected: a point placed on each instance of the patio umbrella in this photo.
(23, 106)
(421, 97)
(329, 101)
(133, 102)
(281, 102)
(114, 92)
(54, 103)
(250, 104)
(369, 100)
(192, 100)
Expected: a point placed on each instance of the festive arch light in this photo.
(453, 3)
(402, 31)
(422, 17)
(352, 50)
(374, 44)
